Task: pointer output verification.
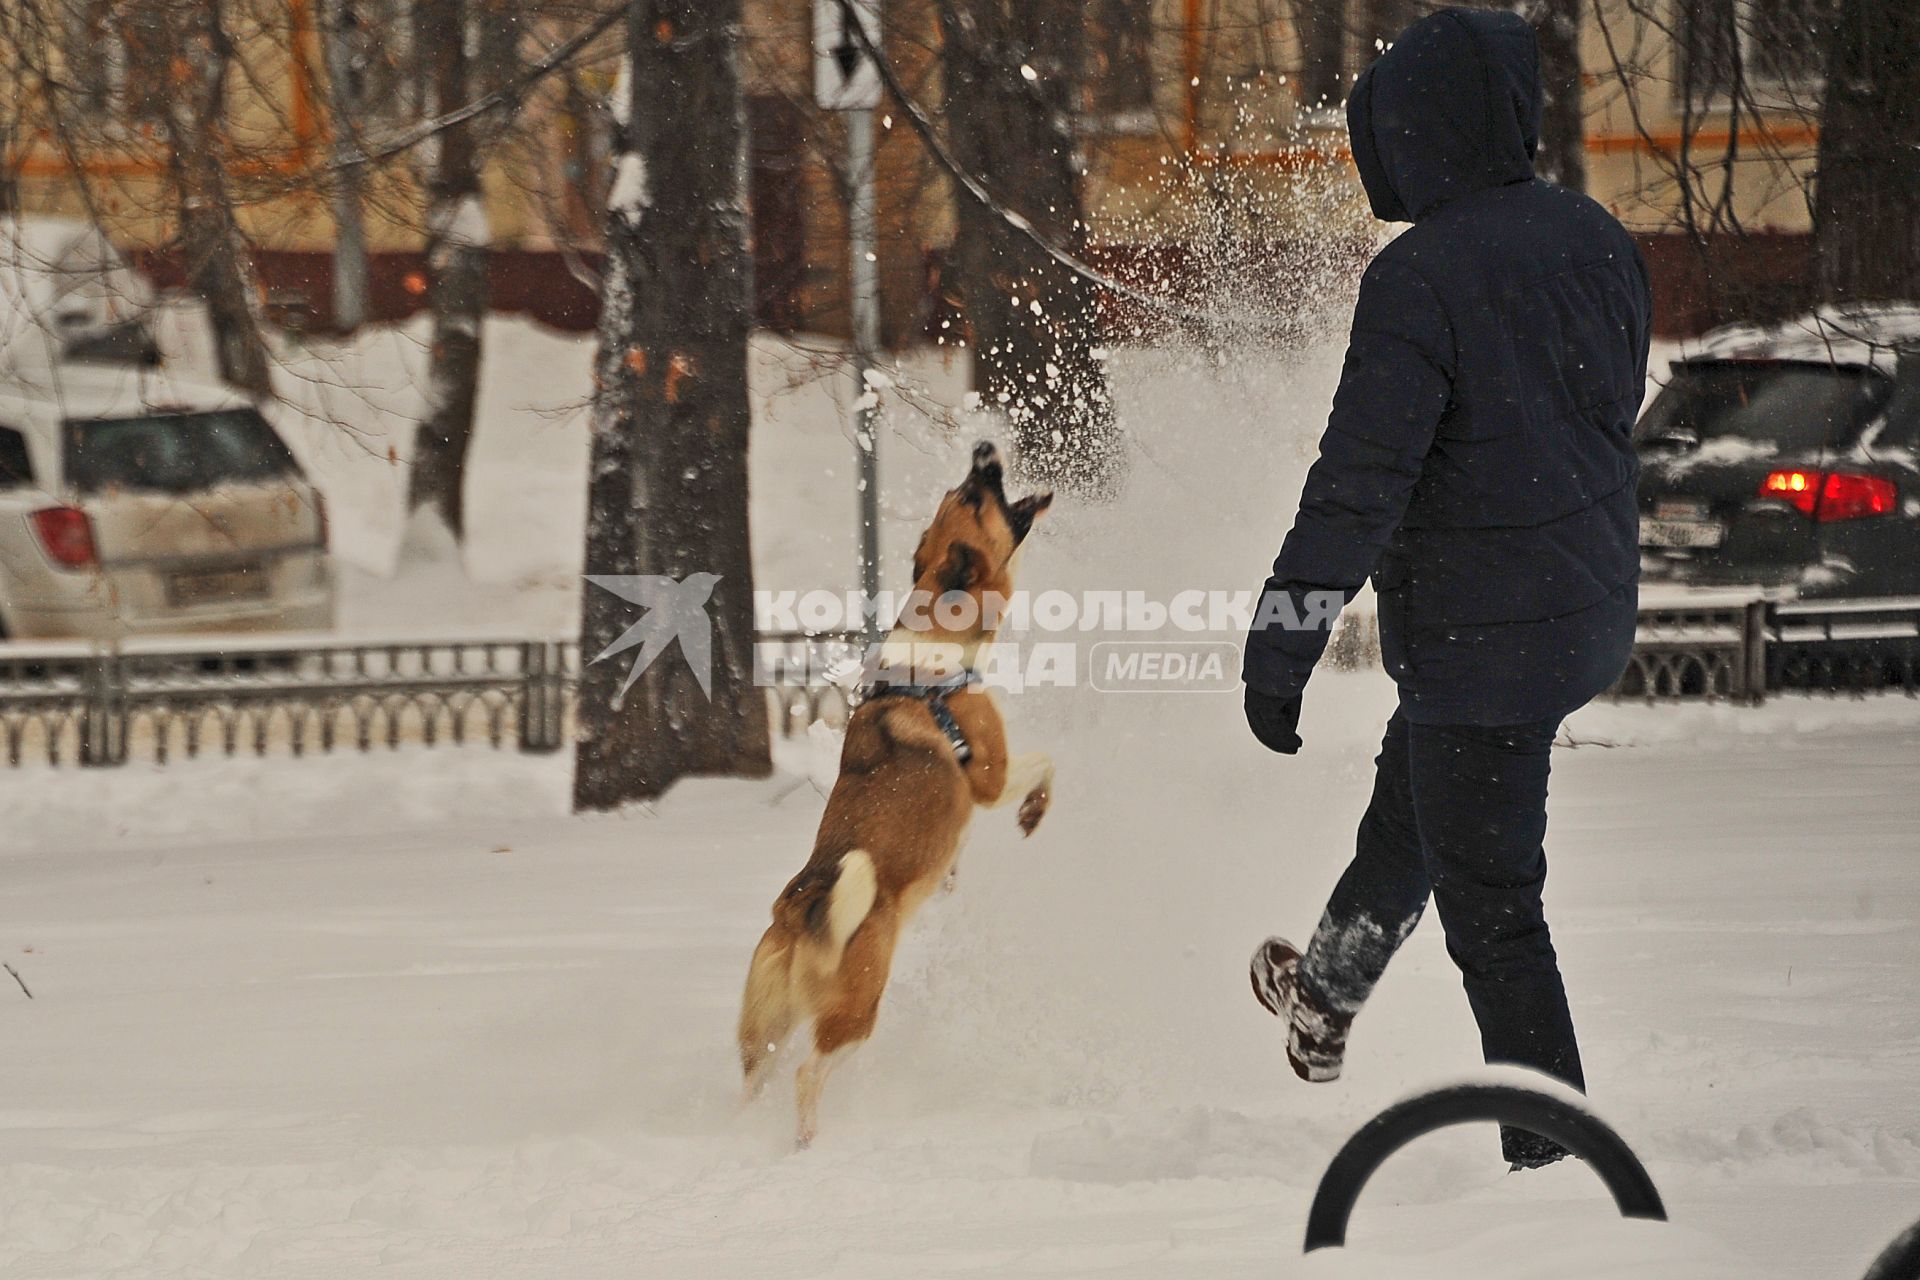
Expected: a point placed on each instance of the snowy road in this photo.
(299, 1018)
(497, 1044)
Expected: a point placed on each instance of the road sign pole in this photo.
(846, 81)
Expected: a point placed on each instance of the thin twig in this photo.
(977, 191)
(412, 137)
(17, 978)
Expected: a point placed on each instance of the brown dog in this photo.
(921, 751)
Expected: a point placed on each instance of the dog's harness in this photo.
(935, 696)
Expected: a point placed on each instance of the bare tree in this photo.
(667, 486)
(192, 44)
(1013, 80)
(1562, 157)
(1321, 26)
(1866, 212)
(468, 49)
(1711, 88)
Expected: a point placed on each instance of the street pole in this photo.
(845, 81)
(863, 243)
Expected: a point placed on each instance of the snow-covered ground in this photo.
(298, 1018)
(302, 1018)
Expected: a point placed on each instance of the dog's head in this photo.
(970, 544)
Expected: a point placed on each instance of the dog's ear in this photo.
(960, 570)
(1020, 515)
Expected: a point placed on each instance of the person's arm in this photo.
(1394, 388)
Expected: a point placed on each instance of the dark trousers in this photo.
(1458, 814)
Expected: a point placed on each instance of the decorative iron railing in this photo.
(1705, 647)
(1844, 645)
(158, 700)
(161, 699)
(1740, 647)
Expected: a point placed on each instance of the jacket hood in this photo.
(1452, 108)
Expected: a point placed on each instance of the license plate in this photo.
(1681, 533)
(1679, 509)
(236, 584)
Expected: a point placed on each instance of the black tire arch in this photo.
(1564, 1121)
(1899, 1260)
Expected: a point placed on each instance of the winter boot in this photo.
(1316, 1037)
(1526, 1151)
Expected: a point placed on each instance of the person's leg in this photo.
(1380, 897)
(1481, 799)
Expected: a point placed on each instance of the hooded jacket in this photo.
(1477, 463)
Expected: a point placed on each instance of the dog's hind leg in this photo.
(846, 1015)
(767, 1012)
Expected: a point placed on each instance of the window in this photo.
(1773, 50)
(175, 453)
(369, 46)
(16, 468)
(1795, 406)
(117, 59)
(1119, 68)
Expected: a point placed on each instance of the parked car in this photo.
(1789, 458)
(67, 294)
(135, 502)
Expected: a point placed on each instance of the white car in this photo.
(134, 502)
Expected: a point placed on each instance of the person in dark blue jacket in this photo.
(1477, 465)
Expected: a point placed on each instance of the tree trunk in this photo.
(1012, 70)
(667, 483)
(1867, 196)
(217, 264)
(456, 274)
(1384, 20)
(1562, 157)
(1321, 28)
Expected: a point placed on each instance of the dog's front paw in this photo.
(1034, 808)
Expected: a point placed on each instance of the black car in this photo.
(1788, 458)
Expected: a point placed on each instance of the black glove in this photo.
(1273, 720)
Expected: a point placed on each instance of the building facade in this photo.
(1201, 121)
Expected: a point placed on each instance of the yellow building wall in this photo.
(1219, 148)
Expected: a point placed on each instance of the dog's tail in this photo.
(848, 902)
(823, 906)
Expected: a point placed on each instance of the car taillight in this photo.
(1844, 496)
(1831, 495)
(67, 535)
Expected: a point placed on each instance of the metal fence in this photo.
(1708, 647)
(1740, 648)
(158, 700)
(153, 700)
(1853, 645)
